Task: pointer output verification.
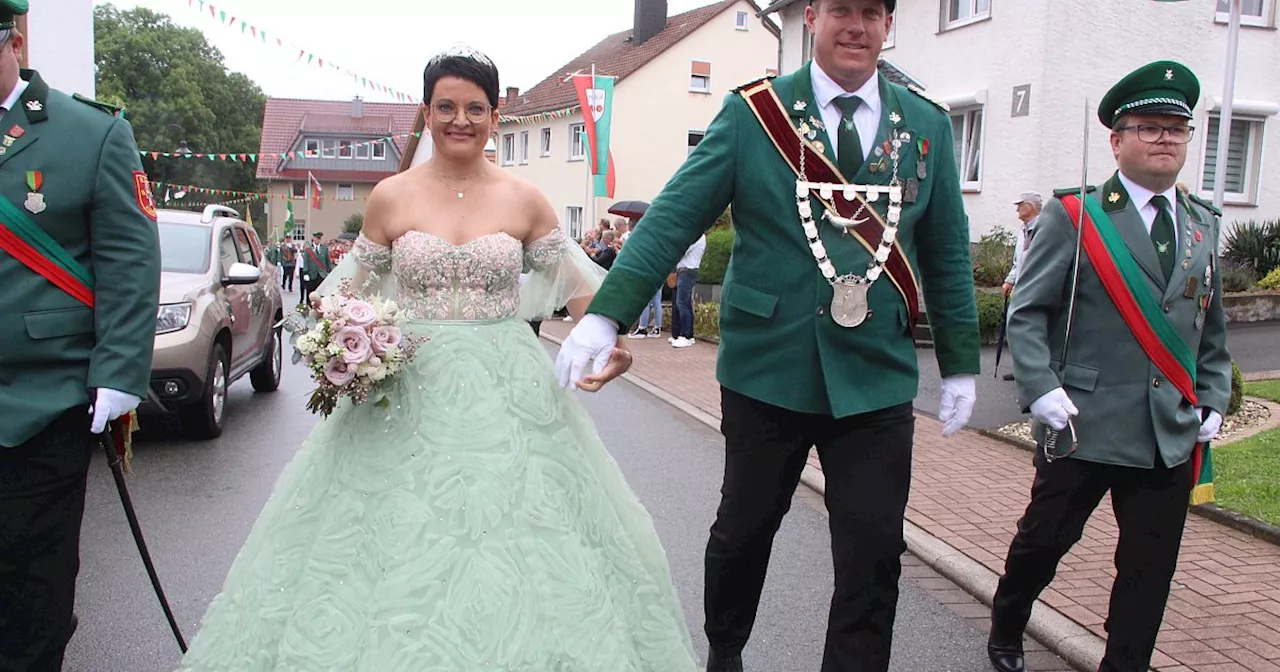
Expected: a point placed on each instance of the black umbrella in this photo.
(629, 208)
(1000, 333)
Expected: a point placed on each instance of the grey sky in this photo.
(390, 40)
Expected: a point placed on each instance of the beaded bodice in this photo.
(477, 280)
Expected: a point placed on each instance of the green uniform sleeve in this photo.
(688, 205)
(946, 272)
(126, 267)
(1213, 362)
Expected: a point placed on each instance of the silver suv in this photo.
(219, 304)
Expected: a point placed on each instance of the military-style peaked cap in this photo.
(1163, 87)
(10, 9)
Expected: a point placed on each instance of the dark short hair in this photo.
(477, 69)
(889, 5)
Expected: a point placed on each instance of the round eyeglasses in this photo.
(446, 111)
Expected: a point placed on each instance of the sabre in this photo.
(1052, 435)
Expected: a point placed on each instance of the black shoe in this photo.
(721, 663)
(1008, 376)
(1007, 658)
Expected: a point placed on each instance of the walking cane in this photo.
(114, 460)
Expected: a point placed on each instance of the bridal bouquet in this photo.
(353, 346)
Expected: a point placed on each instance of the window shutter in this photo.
(1237, 155)
(701, 68)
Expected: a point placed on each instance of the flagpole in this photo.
(591, 178)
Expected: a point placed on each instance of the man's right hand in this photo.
(1007, 288)
(1054, 408)
(591, 340)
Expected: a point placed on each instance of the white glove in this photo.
(591, 340)
(111, 404)
(1209, 428)
(1054, 408)
(958, 395)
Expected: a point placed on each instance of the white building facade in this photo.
(1018, 73)
(60, 44)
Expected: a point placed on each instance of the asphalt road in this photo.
(197, 502)
(1254, 347)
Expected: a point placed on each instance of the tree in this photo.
(168, 77)
(354, 223)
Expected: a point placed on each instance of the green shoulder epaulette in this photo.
(1072, 191)
(1206, 204)
(105, 107)
(920, 92)
(754, 82)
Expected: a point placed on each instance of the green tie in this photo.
(1163, 235)
(849, 146)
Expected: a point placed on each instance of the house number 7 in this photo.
(1021, 101)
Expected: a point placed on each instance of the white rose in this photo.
(387, 311)
(377, 373)
(306, 344)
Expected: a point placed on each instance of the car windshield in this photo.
(184, 248)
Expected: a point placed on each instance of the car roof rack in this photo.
(211, 211)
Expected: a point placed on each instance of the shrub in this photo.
(724, 220)
(715, 260)
(990, 308)
(993, 257)
(354, 223)
(1236, 278)
(706, 320)
(1237, 390)
(1272, 281)
(1253, 245)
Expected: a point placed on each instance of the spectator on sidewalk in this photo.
(288, 263)
(1029, 205)
(650, 324)
(1140, 416)
(682, 306)
(609, 252)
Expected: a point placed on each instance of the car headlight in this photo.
(172, 317)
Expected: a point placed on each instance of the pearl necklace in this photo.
(849, 300)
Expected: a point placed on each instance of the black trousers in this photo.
(286, 279)
(1151, 509)
(42, 489)
(867, 462)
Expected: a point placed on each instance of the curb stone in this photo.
(1067, 639)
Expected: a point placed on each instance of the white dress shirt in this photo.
(693, 256)
(14, 95)
(1141, 197)
(866, 118)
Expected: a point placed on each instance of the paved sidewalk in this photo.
(969, 491)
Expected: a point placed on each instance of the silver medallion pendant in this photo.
(849, 302)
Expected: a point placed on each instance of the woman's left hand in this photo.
(619, 361)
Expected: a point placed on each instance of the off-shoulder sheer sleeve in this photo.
(559, 272)
(368, 266)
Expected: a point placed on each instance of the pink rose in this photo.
(359, 313)
(355, 344)
(384, 338)
(339, 372)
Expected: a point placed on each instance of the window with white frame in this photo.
(546, 142)
(362, 150)
(741, 21)
(344, 149)
(573, 219)
(695, 137)
(956, 13)
(329, 149)
(379, 150)
(299, 189)
(299, 232)
(346, 192)
(524, 147)
(1252, 12)
(966, 133)
(508, 149)
(577, 150)
(700, 77)
(1244, 155)
(312, 149)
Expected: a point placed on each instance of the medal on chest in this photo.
(849, 305)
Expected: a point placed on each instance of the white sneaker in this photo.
(638, 333)
(682, 343)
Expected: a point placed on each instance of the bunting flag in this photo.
(595, 95)
(243, 195)
(253, 32)
(539, 118)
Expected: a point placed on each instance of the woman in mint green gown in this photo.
(478, 522)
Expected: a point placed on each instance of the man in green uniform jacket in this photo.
(1146, 370)
(316, 265)
(810, 353)
(75, 206)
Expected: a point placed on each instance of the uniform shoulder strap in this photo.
(99, 105)
(920, 92)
